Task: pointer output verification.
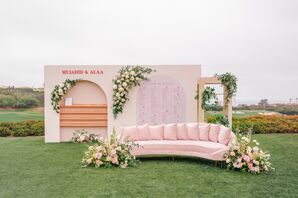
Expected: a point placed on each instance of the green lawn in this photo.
(20, 115)
(31, 168)
(240, 113)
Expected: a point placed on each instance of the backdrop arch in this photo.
(87, 111)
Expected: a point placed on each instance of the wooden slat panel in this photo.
(83, 110)
(103, 116)
(83, 123)
(84, 115)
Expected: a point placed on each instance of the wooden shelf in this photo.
(87, 115)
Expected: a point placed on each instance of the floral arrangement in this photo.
(59, 91)
(82, 136)
(246, 156)
(127, 78)
(116, 152)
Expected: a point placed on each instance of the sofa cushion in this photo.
(156, 132)
(170, 132)
(131, 133)
(204, 132)
(184, 145)
(213, 132)
(224, 135)
(144, 132)
(192, 131)
(182, 131)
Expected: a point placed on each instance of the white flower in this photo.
(121, 89)
(114, 86)
(127, 76)
(255, 149)
(132, 78)
(117, 95)
(132, 73)
(123, 99)
(124, 84)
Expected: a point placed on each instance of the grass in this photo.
(243, 114)
(20, 115)
(31, 168)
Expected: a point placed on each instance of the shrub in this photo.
(265, 124)
(5, 131)
(22, 129)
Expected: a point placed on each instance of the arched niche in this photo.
(87, 111)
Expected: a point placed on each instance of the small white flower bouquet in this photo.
(82, 136)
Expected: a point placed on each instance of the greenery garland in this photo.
(59, 91)
(207, 96)
(229, 81)
(127, 78)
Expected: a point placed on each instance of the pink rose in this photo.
(250, 166)
(115, 160)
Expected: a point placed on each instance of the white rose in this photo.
(132, 73)
(124, 84)
(123, 75)
(118, 81)
(117, 95)
(127, 76)
(123, 100)
(132, 78)
(114, 86)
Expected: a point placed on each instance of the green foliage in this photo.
(219, 119)
(5, 131)
(263, 124)
(20, 98)
(60, 90)
(229, 81)
(22, 129)
(208, 95)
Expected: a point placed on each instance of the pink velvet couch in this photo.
(209, 141)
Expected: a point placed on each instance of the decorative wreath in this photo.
(127, 78)
(59, 91)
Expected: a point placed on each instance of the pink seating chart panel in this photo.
(160, 100)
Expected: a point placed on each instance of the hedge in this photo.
(264, 124)
(22, 129)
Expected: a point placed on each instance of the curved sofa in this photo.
(209, 141)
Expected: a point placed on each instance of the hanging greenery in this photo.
(127, 78)
(59, 91)
(208, 95)
(229, 81)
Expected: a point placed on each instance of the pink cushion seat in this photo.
(182, 131)
(213, 132)
(170, 132)
(204, 132)
(156, 132)
(144, 132)
(193, 131)
(131, 133)
(224, 135)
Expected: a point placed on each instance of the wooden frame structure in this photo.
(227, 108)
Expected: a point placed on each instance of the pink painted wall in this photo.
(186, 75)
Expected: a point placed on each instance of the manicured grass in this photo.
(20, 115)
(241, 113)
(31, 168)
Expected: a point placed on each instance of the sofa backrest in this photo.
(180, 131)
